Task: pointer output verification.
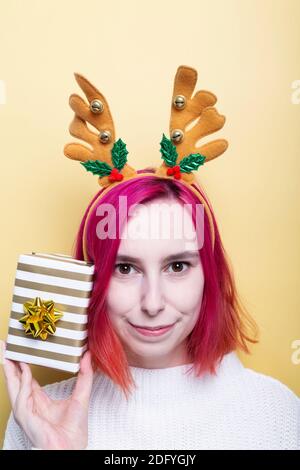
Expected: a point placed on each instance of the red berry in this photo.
(115, 175)
(177, 175)
(176, 168)
(170, 171)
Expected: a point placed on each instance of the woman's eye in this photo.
(179, 266)
(175, 267)
(124, 268)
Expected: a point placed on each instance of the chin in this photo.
(148, 351)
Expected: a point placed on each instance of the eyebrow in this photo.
(184, 255)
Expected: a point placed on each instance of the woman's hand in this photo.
(50, 424)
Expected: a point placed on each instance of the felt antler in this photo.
(105, 157)
(180, 153)
(78, 127)
(199, 106)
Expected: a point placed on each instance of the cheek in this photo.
(186, 294)
(122, 297)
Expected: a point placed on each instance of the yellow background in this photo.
(246, 52)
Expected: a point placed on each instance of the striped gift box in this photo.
(66, 281)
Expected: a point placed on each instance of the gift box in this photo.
(48, 320)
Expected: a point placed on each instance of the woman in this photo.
(179, 387)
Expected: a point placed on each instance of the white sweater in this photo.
(237, 409)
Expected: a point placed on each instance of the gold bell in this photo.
(177, 135)
(105, 137)
(179, 102)
(96, 106)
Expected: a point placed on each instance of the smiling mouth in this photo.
(152, 328)
(153, 331)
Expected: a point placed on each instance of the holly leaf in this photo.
(191, 162)
(97, 168)
(168, 151)
(119, 154)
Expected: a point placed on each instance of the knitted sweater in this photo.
(237, 408)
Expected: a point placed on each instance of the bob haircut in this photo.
(223, 322)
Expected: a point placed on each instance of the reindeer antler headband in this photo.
(108, 157)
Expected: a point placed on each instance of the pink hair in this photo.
(222, 323)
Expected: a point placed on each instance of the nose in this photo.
(152, 296)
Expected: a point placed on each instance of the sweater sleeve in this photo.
(15, 438)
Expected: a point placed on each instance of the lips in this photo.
(152, 328)
(152, 331)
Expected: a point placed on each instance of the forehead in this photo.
(157, 229)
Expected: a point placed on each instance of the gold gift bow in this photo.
(40, 318)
